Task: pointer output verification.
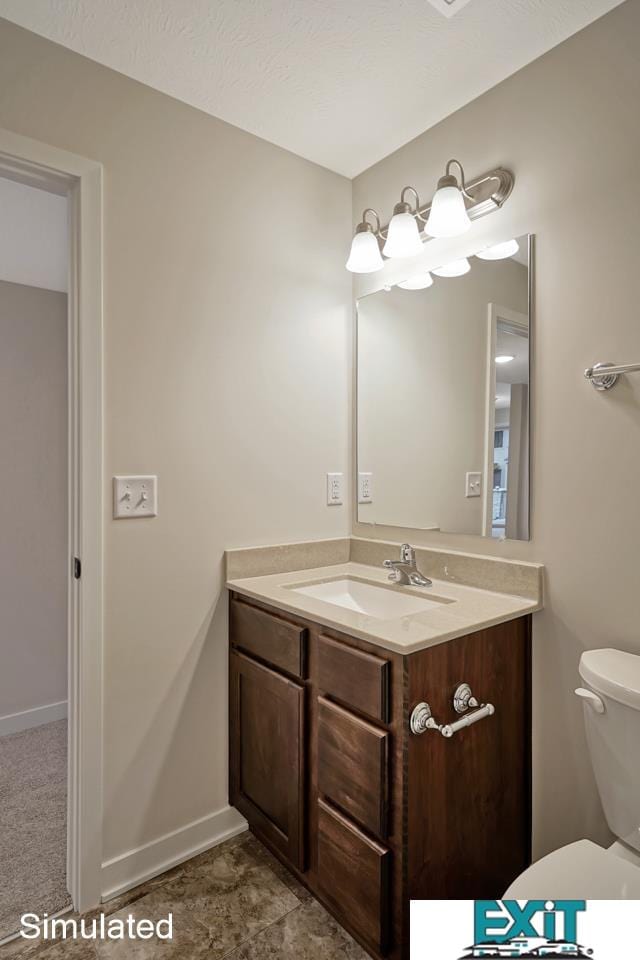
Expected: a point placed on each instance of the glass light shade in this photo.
(365, 254)
(403, 239)
(499, 251)
(448, 215)
(457, 268)
(420, 282)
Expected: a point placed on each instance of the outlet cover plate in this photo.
(335, 483)
(135, 497)
(365, 487)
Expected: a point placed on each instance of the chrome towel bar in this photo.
(603, 376)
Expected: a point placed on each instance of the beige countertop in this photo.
(459, 609)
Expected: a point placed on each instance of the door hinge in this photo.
(77, 568)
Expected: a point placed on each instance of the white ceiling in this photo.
(34, 239)
(341, 82)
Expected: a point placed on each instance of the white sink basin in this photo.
(381, 602)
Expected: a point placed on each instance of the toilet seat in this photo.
(581, 870)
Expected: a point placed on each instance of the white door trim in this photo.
(58, 171)
(520, 320)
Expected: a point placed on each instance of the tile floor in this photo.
(235, 901)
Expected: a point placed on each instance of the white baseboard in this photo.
(15, 722)
(129, 869)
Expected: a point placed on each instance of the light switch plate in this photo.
(473, 485)
(334, 488)
(135, 497)
(365, 488)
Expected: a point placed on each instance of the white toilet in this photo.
(583, 870)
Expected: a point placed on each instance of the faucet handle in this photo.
(407, 553)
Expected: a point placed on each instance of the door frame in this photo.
(80, 179)
(520, 321)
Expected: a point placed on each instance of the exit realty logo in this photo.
(527, 928)
(524, 929)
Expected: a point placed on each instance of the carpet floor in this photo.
(33, 823)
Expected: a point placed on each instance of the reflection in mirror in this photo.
(443, 399)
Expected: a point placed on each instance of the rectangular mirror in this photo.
(443, 400)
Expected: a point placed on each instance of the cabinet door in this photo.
(267, 754)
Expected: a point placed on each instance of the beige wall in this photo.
(33, 505)
(422, 393)
(227, 373)
(568, 126)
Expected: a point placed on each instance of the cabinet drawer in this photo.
(353, 766)
(353, 873)
(273, 639)
(358, 679)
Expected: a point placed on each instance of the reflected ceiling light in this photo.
(403, 235)
(505, 358)
(457, 268)
(420, 282)
(365, 248)
(448, 216)
(500, 251)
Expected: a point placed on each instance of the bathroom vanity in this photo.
(348, 755)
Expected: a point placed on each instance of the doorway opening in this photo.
(506, 495)
(51, 694)
(34, 253)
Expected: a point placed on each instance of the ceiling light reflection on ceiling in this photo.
(457, 268)
(417, 283)
(500, 251)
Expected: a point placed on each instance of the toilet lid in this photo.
(582, 871)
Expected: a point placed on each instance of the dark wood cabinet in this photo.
(268, 754)
(368, 815)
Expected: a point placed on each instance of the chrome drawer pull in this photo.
(422, 718)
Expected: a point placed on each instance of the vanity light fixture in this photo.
(448, 216)
(403, 236)
(457, 268)
(505, 358)
(365, 250)
(420, 282)
(500, 251)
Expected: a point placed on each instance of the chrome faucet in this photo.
(405, 570)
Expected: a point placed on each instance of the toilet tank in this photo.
(614, 736)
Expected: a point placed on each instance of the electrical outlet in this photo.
(135, 497)
(365, 488)
(473, 485)
(334, 488)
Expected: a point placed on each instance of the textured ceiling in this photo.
(341, 82)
